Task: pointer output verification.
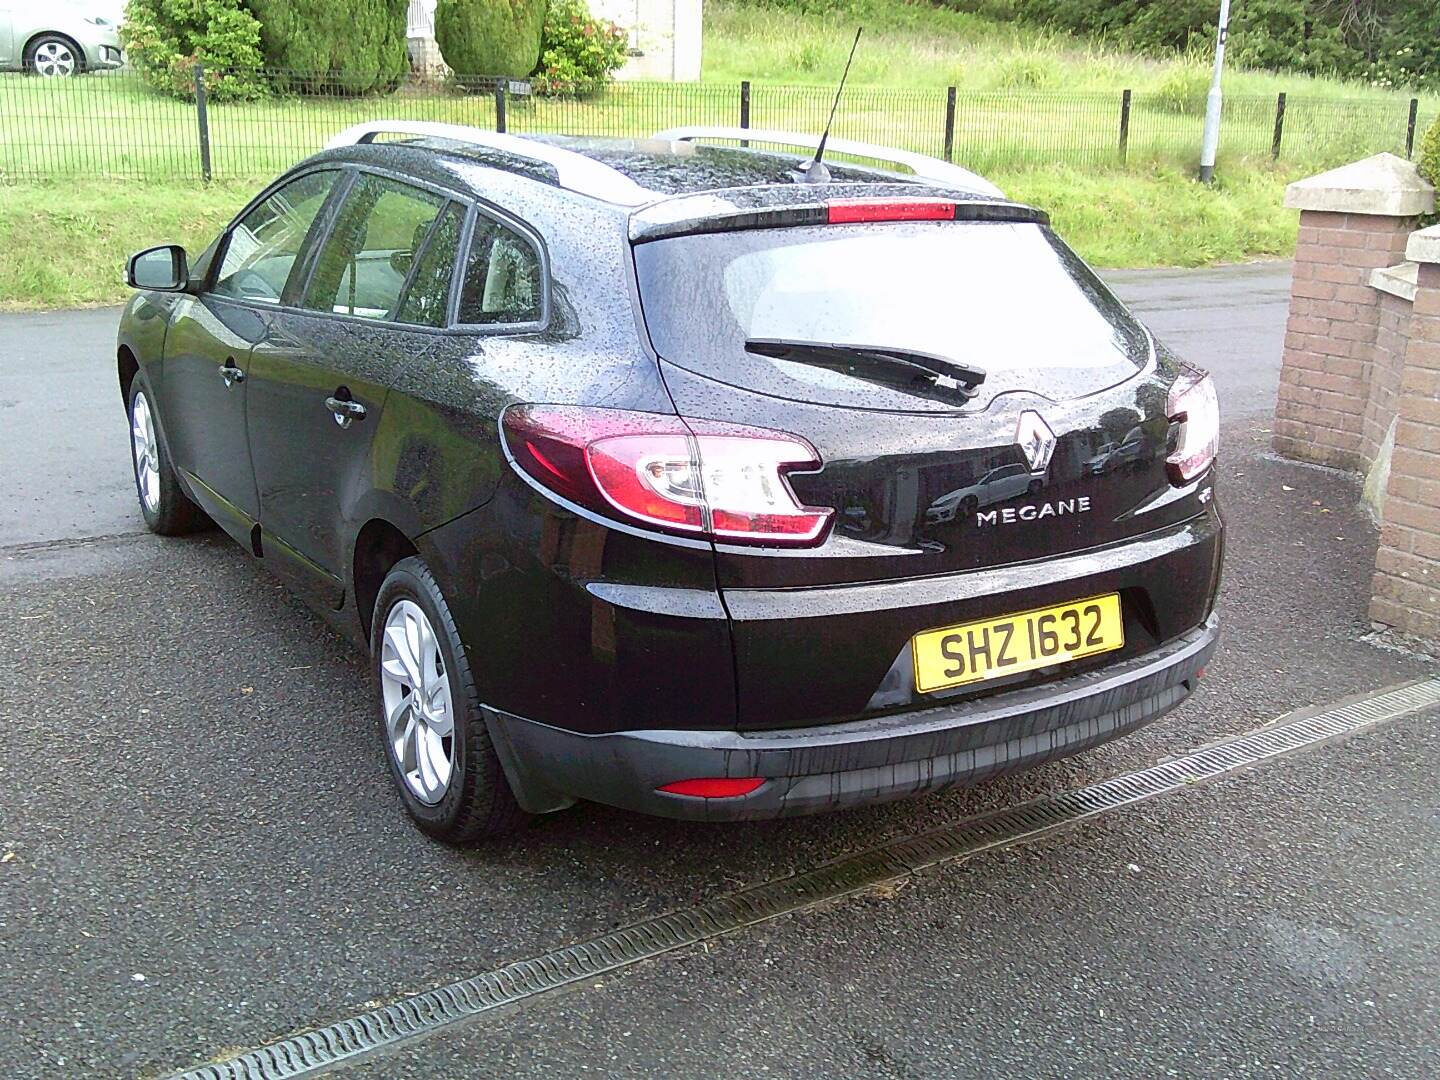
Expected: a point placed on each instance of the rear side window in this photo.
(367, 258)
(261, 249)
(504, 281)
(427, 301)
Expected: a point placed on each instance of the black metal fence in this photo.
(115, 125)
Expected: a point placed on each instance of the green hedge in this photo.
(334, 46)
(490, 38)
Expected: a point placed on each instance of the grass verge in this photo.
(918, 44)
(1144, 218)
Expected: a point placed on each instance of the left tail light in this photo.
(700, 478)
(1195, 408)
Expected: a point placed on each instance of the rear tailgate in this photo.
(945, 510)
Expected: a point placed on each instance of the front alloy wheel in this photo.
(167, 510)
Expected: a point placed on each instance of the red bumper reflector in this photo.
(850, 211)
(714, 787)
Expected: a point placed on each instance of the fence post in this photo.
(745, 108)
(950, 123)
(1124, 127)
(500, 124)
(1279, 126)
(202, 119)
(1410, 128)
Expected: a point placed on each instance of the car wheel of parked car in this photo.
(166, 508)
(53, 56)
(435, 735)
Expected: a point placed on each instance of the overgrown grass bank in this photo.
(914, 43)
(1153, 218)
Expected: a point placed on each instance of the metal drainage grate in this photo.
(423, 1014)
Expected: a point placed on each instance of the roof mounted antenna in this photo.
(814, 170)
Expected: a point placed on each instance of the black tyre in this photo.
(54, 56)
(435, 737)
(969, 505)
(167, 509)
(1034, 487)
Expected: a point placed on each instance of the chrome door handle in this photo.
(346, 411)
(230, 373)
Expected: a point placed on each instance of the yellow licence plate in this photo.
(992, 648)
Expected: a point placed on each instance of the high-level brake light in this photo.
(726, 482)
(851, 211)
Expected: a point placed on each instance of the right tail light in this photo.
(724, 482)
(1196, 409)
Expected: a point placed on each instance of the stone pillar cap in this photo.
(1424, 245)
(1384, 184)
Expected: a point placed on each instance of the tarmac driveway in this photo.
(199, 851)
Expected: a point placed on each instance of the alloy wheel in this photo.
(147, 458)
(54, 58)
(419, 714)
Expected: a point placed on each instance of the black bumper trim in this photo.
(810, 770)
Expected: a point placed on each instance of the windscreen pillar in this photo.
(1406, 591)
(1354, 220)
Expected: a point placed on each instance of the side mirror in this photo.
(164, 269)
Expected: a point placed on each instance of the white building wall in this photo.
(664, 36)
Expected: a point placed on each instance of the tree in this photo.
(490, 38)
(334, 46)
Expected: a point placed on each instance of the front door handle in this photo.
(230, 373)
(346, 411)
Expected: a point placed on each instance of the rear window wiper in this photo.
(905, 369)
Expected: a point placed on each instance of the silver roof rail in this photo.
(576, 172)
(923, 166)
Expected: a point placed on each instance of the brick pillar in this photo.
(1353, 220)
(1407, 566)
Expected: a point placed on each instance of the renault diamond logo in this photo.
(1036, 440)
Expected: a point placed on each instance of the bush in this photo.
(482, 39)
(334, 46)
(165, 39)
(1428, 157)
(579, 53)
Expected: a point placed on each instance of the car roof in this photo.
(664, 185)
(635, 171)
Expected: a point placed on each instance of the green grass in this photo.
(917, 44)
(1152, 218)
(1038, 112)
(66, 243)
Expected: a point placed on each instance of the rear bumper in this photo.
(815, 769)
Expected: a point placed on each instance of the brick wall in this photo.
(1392, 337)
(1324, 400)
(1407, 566)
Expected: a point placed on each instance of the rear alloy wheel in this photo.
(52, 56)
(436, 741)
(166, 508)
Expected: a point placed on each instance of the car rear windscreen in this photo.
(1008, 298)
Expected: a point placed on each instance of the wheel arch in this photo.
(379, 545)
(127, 367)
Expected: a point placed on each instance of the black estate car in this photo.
(680, 476)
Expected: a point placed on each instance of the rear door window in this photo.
(365, 262)
(261, 250)
(427, 300)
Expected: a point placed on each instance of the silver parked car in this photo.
(56, 39)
